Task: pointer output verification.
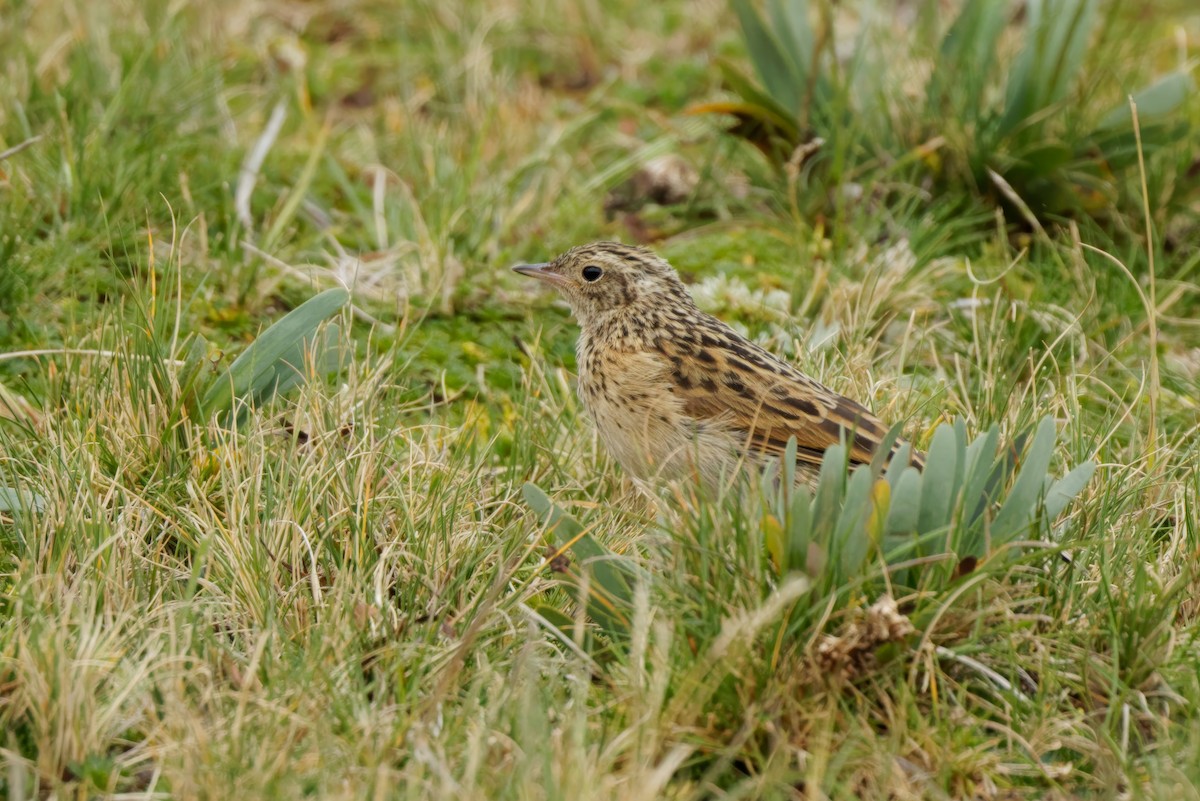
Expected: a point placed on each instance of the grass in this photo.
(341, 598)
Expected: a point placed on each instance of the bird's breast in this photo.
(640, 419)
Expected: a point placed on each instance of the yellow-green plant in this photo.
(971, 502)
(903, 529)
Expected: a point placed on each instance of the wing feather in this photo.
(720, 376)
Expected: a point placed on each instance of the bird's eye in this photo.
(592, 273)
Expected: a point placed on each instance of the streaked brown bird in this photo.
(676, 392)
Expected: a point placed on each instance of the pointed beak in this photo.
(542, 272)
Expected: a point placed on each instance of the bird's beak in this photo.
(543, 272)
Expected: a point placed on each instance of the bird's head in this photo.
(607, 278)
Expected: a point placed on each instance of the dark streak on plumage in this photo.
(784, 413)
(738, 364)
(803, 404)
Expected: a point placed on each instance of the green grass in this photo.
(339, 599)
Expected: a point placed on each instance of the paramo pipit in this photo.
(676, 392)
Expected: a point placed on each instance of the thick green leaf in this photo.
(1017, 511)
(979, 461)
(790, 21)
(1043, 158)
(1120, 145)
(1056, 36)
(799, 529)
(275, 358)
(789, 463)
(563, 529)
(610, 591)
(1159, 99)
(756, 103)
(19, 500)
(906, 503)
(939, 480)
(985, 475)
(777, 72)
(851, 535)
(898, 465)
(885, 448)
(960, 461)
(556, 618)
(562, 626)
(937, 512)
(189, 377)
(831, 488)
(967, 54)
(1070, 28)
(293, 371)
(926, 513)
(1062, 491)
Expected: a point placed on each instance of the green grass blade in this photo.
(298, 193)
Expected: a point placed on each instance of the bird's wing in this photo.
(720, 376)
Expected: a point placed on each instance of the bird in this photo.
(675, 392)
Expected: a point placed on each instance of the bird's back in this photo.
(674, 390)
